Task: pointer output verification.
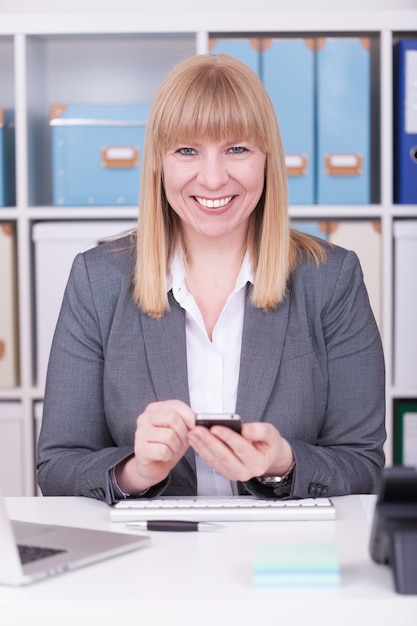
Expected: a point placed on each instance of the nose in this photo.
(212, 172)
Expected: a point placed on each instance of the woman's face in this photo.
(214, 186)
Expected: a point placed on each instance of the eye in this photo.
(186, 151)
(237, 150)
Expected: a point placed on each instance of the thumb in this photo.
(253, 431)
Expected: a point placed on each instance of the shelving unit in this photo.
(48, 59)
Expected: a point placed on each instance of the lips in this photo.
(215, 203)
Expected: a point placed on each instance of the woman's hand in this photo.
(161, 439)
(260, 449)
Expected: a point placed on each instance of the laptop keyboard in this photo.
(28, 554)
(236, 508)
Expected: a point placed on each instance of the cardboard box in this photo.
(11, 449)
(56, 244)
(8, 307)
(405, 304)
(96, 153)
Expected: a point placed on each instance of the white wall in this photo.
(194, 6)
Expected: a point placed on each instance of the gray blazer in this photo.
(313, 367)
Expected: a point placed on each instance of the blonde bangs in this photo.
(216, 105)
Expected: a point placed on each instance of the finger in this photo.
(207, 445)
(219, 455)
(169, 437)
(171, 408)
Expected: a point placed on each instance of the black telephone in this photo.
(394, 529)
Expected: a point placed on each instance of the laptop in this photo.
(30, 552)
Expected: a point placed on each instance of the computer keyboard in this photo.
(221, 509)
(28, 554)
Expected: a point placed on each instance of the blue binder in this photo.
(7, 158)
(343, 121)
(288, 75)
(246, 50)
(406, 122)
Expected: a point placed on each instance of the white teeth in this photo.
(214, 204)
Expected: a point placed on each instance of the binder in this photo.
(7, 158)
(343, 120)
(405, 122)
(287, 67)
(405, 304)
(405, 432)
(244, 49)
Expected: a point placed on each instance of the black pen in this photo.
(176, 526)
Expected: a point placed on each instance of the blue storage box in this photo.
(343, 121)
(288, 75)
(246, 50)
(96, 153)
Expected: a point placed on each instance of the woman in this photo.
(214, 306)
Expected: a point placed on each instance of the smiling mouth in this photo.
(217, 203)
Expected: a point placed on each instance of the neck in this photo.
(213, 255)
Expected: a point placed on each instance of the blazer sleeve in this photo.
(76, 451)
(342, 452)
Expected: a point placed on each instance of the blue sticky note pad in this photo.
(296, 566)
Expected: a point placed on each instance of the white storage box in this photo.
(8, 308)
(364, 238)
(11, 449)
(405, 313)
(56, 245)
(2, 159)
(37, 415)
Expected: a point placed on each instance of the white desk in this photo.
(204, 579)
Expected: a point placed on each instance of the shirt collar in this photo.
(176, 276)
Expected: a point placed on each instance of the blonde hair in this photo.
(222, 98)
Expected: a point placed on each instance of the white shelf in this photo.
(47, 59)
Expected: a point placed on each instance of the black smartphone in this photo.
(231, 420)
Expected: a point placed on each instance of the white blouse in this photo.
(213, 366)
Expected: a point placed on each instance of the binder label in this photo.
(411, 91)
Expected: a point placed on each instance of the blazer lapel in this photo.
(166, 353)
(262, 344)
